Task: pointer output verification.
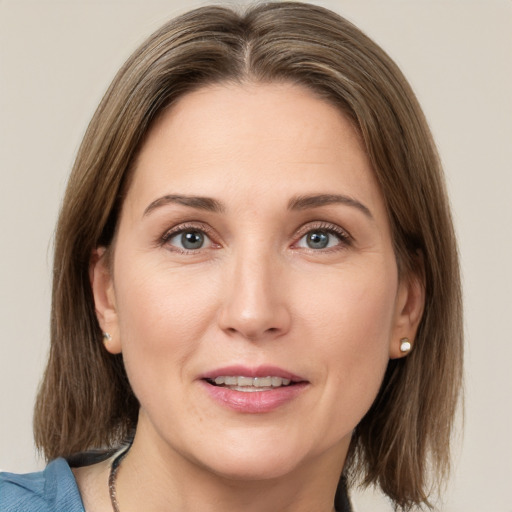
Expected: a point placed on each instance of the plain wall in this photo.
(56, 60)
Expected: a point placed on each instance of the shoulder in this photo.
(51, 490)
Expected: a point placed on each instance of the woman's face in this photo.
(253, 250)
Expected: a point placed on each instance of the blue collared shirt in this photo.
(52, 490)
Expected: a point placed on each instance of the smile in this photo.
(250, 399)
(253, 390)
(250, 384)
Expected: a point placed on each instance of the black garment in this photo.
(341, 500)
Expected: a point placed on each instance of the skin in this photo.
(255, 293)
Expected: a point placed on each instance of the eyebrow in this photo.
(318, 200)
(200, 203)
(302, 202)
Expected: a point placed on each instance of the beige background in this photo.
(57, 58)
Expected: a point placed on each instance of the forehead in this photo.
(261, 138)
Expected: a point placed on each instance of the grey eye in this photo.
(319, 239)
(192, 239)
(189, 240)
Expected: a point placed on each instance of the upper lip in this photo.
(246, 371)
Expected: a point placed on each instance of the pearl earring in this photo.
(106, 337)
(405, 345)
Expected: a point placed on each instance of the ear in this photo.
(104, 299)
(409, 307)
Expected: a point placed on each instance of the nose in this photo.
(255, 304)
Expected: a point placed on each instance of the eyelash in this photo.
(182, 228)
(345, 239)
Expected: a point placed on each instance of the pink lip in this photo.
(255, 402)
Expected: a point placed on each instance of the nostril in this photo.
(253, 321)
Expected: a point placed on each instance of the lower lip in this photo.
(254, 402)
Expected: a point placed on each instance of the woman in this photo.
(256, 289)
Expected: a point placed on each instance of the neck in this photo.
(156, 478)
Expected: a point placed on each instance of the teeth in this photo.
(263, 382)
(245, 381)
(276, 382)
(251, 382)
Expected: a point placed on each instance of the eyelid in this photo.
(188, 226)
(345, 237)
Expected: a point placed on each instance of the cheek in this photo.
(353, 324)
(162, 316)
(156, 294)
(354, 309)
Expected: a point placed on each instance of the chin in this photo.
(259, 457)
(255, 468)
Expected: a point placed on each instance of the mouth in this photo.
(250, 384)
(253, 390)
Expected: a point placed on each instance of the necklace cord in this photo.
(114, 468)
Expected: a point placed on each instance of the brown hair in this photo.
(85, 399)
